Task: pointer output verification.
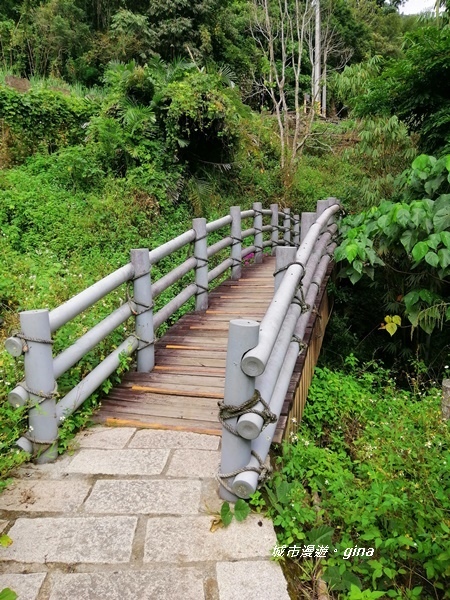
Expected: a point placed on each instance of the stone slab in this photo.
(49, 496)
(194, 463)
(26, 586)
(178, 497)
(155, 438)
(3, 524)
(189, 539)
(107, 438)
(71, 540)
(119, 462)
(54, 470)
(247, 580)
(159, 583)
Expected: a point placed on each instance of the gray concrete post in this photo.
(296, 241)
(239, 387)
(236, 244)
(257, 224)
(307, 220)
(274, 224)
(322, 205)
(287, 226)
(201, 271)
(284, 257)
(446, 399)
(40, 384)
(142, 295)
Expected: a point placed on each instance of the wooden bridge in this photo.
(181, 377)
(183, 390)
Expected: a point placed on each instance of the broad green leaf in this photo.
(391, 328)
(408, 239)
(283, 491)
(355, 277)
(441, 219)
(444, 257)
(445, 238)
(397, 319)
(419, 251)
(417, 215)
(426, 296)
(422, 163)
(225, 514)
(447, 162)
(7, 594)
(432, 259)
(351, 251)
(241, 510)
(321, 535)
(432, 185)
(434, 240)
(403, 217)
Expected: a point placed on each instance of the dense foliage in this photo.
(367, 469)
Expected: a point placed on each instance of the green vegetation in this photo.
(120, 121)
(367, 469)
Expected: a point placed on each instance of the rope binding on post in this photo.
(263, 473)
(27, 338)
(229, 411)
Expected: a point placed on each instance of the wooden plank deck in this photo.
(183, 390)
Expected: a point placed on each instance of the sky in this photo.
(412, 7)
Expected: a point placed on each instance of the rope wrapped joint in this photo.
(230, 411)
(263, 473)
(26, 339)
(40, 394)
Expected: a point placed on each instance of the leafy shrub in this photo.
(370, 462)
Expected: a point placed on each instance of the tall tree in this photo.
(279, 28)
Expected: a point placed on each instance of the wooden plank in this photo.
(168, 424)
(182, 410)
(177, 392)
(156, 378)
(189, 369)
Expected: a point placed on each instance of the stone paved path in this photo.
(127, 517)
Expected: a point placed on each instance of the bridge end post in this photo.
(307, 220)
(257, 225)
(40, 384)
(236, 242)
(201, 270)
(142, 296)
(274, 225)
(287, 226)
(239, 388)
(296, 241)
(284, 257)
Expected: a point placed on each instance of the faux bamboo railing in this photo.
(39, 389)
(261, 356)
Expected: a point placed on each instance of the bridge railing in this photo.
(38, 391)
(261, 356)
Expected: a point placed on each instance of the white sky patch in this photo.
(415, 7)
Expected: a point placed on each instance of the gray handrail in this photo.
(42, 370)
(268, 364)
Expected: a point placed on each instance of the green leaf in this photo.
(445, 238)
(351, 252)
(419, 251)
(241, 510)
(7, 594)
(441, 219)
(408, 239)
(432, 259)
(5, 541)
(444, 257)
(403, 217)
(225, 514)
(391, 328)
(321, 535)
(283, 491)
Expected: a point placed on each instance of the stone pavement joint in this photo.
(128, 517)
